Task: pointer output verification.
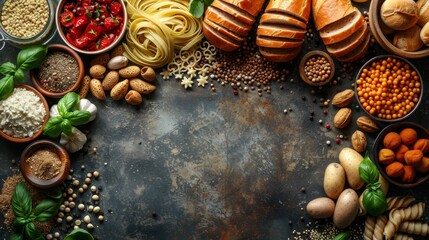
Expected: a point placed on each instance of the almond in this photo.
(111, 79)
(367, 124)
(97, 71)
(343, 118)
(359, 141)
(120, 90)
(141, 86)
(129, 72)
(84, 87)
(343, 99)
(133, 97)
(97, 89)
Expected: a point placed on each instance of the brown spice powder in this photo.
(44, 163)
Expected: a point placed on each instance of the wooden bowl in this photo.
(385, 41)
(81, 66)
(36, 134)
(27, 172)
(315, 53)
(378, 145)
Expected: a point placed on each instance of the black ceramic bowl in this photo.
(378, 145)
(373, 116)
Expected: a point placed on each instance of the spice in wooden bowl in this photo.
(316, 68)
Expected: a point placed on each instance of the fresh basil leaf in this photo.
(374, 201)
(53, 127)
(21, 201)
(79, 117)
(19, 75)
(17, 232)
(196, 8)
(7, 68)
(46, 210)
(207, 2)
(344, 235)
(32, 233)
(66, 127)
(79, 234)
(55, 193)
(68, 103)
(368, 172)
(31, 57)
(6, 87)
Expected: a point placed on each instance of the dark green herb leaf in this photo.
(21, 201)
(79, 117)
(207, 2)
(368, 171)
(374, 200)
(17, 232)
(53, 127)
(66, 127)
(6, 87)
(68, 103)
(196, 8)
(55, 193)
(7, 68)
(46, 210)
(20, 221)
(19, 75)
(344, 235)
(79, 234)
(31, 57)
(32, 233)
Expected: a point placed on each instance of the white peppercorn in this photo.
(81, 207)
(95, 197)
(87, 219)
(101, 218)
(90, 226)
(96, 174)
(96, 209)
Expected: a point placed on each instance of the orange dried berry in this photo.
(386, 156)
(423, 167)
(409, 174)
(395, 169)
(422, 145)
(413, 157)
(392, 140)
(400, 152)
(408, 136)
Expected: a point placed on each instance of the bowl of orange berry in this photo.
(389, 88)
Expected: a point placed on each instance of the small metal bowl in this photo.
(315, 53)
(27, 172)
(368, 63)
(378, 145)
(81, 66)
(36, 134)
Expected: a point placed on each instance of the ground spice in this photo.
(44, 163)
(58, 72)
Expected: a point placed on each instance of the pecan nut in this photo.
(343, 118)
(343, 99)
(367, 124)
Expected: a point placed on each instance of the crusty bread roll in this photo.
(424, 34)
(399, 14)
(227, 23)
(282, 29)
(423, 6)
(408, 40)
(328, 11)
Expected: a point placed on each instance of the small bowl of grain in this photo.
(24, 114)
(45, 164)
(388, 88)
(316, 68)
(61, 72)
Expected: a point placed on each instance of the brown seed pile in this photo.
(317, 69)
(246, 70)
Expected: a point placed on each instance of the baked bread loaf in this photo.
(282, 29)
(343, 31)
(227, 23)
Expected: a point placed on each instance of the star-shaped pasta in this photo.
(178, 76)
(187, 82)
(202, 81)
(192, 73)
(203, 72)
(165, 74)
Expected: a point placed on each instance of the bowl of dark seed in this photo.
(23, 114)
(316, 68)
(45, 164)
(61, 72)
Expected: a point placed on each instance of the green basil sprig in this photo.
(69, 116)
(27, 59)
(79, 234)
(23, 227)
(344, 235)
(374, 199)
(196, 7)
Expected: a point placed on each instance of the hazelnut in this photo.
(408, 136)
(399, 14)
(392, 140)
(413, 157)
(422, 145)
(399, 153)
(424, 165)
(409, 174)
(386, 156)
(395, 169)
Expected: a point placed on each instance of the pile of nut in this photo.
(110, 72)
(403, 154)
